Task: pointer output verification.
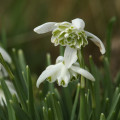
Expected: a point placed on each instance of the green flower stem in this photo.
(82, 112)
(61, 50)
(81, 62)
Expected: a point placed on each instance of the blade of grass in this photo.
(102, 117)
(30, 95)
(8, 96)
(109, 35)
(75, 102)
(6, 67)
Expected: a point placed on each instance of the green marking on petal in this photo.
(62, 82)
(49, 79)
(56, 32)
(65, 34)
(62, 27)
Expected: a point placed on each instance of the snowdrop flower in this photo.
(7, 58)
(11, 89)
(70, 34)
(64, 70)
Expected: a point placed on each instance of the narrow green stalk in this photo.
(81, 62)
(48, 58)
(82, 102)
(61, 50)
(82, 112)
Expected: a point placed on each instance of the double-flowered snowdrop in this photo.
(7, 58)
(70, 34)
(64, 70)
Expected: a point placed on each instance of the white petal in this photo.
(76, 64)
(97, 41)
(44, 28)
(83, 72)
(5, 55)
(59, 59)
(4, 72)
(64, 77)
(78, 23)
(70, 56)
(50, 70)
(2, 97)
(11, 87)
(73, 74)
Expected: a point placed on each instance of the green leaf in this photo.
(50, 116)
(45, 113)
(20, 113)
(96, 87)
(75, 102)
(109, 35)
(30, 95)
(102, 117)
(6, 67)
(61, 50)
(8, 96)
(113, 107)
(56, 108)
(108, 85)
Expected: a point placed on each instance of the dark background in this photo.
(18, 18)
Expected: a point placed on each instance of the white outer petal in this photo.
(5, 55)
(2, 97)
(65, 75)
(50, 70)
(44, 28)
(70, 56)
(97, 41)
(4, 72)
(83, 72)
(78, 23)
(11, 87)
(73, 73)
(59, 59)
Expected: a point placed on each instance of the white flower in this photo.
(11, 89)
(7, 58)
(5, 55)
(64, 70)
(70, 34)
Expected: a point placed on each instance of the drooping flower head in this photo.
(65, 69)
(70, 34)
(74, 37)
